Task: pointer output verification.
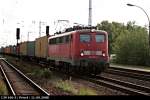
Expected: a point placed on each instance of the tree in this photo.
(132, 46)
(129, 42)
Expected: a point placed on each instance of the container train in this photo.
(84, 50)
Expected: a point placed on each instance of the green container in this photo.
(31, 48)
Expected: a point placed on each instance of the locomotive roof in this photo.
(77, 31)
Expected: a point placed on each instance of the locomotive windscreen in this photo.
(85, 37)
(100, 37)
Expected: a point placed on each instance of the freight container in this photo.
(18, 49)
(1, 50)
(41, 46)
(31, 48)
(5, 50)
(23, 49)
(13, 50)
(8, 50)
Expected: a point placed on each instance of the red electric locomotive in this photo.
(84, 50)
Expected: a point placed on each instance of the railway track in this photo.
(17, 82)
(125, 87)
(129, 73)
(122, 86)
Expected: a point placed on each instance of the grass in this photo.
(3, 89)
(86, 91)
(69, 87)
(66, 86)
(42, 73)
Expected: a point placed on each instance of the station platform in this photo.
(132, 67)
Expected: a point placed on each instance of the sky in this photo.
(27, 14)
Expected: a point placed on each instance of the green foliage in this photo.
(3, 89)
(66, 86)
(69, 87)
(132, 46)
(42, 73)
(129, 42)
(86, 91)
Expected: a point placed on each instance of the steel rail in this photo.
(127, 84)
(10, 87)
(42, 91)
(129, 73)
(117, 85)
(113, 85)
(129, 70)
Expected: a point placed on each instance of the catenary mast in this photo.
(90, 13)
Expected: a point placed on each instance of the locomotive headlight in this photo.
(103, 54)
(82, 54)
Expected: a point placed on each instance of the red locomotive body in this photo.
(85, 50)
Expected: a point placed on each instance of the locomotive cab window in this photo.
(100, 37)
(60, 39)
(85, 38)
(68, 38)
(52, 41)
